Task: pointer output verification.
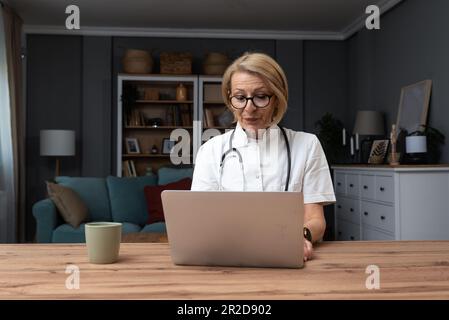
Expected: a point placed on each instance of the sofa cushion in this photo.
(127, 198)
(154, 201)
(167, 174)
(128, 227)
(94, 194)
(65, 233)
(69, 204)
(158, 227)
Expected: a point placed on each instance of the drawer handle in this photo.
(339, 206)
(339, 233)
(365, 187)
(365, 213)
(351, 185)
(382, 217)
(352, 210)
(352, 238)
(338, 184)
(382, 189)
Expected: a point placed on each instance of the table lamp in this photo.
(416, 149)
(368, 123)
(57, 143)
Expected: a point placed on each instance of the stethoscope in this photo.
(232, 149)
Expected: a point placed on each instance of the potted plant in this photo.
(435, 139)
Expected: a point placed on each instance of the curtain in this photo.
(12, 124)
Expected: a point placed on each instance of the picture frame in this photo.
(378, 152)
(132, 146)
(414, 106)
(167, 146)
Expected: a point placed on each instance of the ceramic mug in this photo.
(103, 241)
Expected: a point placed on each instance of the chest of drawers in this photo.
(391, 203)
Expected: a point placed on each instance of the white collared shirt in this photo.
(265, 164)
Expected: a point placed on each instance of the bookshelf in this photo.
(150, 108)
(148, 112)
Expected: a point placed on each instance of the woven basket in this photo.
(176, 63)
(215, 63)
(137, 61)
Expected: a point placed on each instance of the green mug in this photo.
(103, 241)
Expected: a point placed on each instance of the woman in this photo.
(255, 89)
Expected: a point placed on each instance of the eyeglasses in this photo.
(259, 101)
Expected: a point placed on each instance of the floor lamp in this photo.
(57, 143)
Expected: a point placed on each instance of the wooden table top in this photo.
(408, 270)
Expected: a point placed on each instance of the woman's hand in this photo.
(308, 250)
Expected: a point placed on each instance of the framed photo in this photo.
(132, 145)
(414, 106)
(378, 151)
(167, 146)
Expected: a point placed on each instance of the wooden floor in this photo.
(408, 270)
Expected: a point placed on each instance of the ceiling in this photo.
(272, 18)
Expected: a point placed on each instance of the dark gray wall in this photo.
(289, 54)
(411, 46)
(325, 81)
(96, 107)
(53, 102)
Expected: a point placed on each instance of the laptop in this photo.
(238, 229)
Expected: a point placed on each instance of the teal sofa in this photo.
(108, 199)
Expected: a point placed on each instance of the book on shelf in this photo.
(128, 169)
(125, 169)
(186, 115)
(209, 117)
(135, 118)
(169, 117)
(133, 169)
(204, 120)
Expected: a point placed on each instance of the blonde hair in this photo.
(269, 70)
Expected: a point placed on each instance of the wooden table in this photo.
(408, 270)
(139, 237)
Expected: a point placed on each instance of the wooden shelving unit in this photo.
(148, 112)
(202, 111)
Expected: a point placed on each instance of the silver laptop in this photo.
(240, 229)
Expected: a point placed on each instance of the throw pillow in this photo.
(69, 204)
(154, 200)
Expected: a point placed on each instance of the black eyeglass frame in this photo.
(252, 99)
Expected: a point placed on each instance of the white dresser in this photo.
(381, 202)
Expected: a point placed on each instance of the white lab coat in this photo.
(265, 164)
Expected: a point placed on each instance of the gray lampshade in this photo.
(370, 123)
(57, 142)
